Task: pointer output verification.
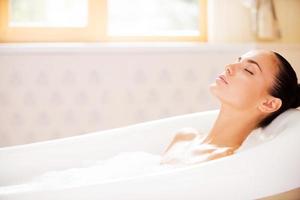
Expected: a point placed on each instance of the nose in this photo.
(230, 69)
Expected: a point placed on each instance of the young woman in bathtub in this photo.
(253, 91)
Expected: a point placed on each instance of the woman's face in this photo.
(247, 80)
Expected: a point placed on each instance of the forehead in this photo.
(267, 61)
(263, 57)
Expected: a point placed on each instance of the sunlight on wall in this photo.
(231, 22)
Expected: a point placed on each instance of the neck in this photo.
(231, 127)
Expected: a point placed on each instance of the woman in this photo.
(253, 91)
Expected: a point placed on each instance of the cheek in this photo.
(243, 94)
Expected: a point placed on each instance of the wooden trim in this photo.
(3, 19)
(154, 38)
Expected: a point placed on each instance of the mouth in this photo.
(222, 77)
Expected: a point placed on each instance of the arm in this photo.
(221, 152)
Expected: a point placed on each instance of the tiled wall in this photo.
(54, 92)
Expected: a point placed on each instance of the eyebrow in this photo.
(251, 61)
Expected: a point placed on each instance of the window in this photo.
(102, 20)
(155, 17)
(48, 13)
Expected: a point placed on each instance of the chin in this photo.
(213, 89)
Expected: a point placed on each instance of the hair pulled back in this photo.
(285, 87)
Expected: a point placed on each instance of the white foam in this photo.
(123, 165)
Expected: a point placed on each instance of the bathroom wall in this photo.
(230, 21)
(60, 90)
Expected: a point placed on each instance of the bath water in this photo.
(123, 165)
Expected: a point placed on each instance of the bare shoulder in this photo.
(181, 136)
(186, 134)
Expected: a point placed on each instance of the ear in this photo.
(270, 104)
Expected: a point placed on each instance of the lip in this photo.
(222, 77)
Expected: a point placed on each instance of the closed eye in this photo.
(249, 71)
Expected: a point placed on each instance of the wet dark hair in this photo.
(285, 87)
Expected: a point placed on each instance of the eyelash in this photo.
(249, 71)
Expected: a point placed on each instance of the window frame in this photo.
(95, 31)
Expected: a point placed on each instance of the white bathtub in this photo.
(268, 163)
